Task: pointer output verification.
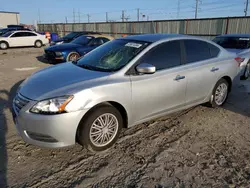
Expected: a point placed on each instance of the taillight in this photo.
(239, 60)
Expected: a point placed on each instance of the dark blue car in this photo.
(75, 49)
(71, 36)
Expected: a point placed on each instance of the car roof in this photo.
(154, 37)
(15, 31)
(98, 36)
(235, 35)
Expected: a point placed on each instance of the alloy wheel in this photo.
(221, 94)
(103, 130)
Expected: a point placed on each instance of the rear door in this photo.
(30, 38)
(202, 69)
(163, 91)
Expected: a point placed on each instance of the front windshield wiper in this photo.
(86, 66)
(89, 67)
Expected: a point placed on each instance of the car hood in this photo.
(62, 47)
(59, 80)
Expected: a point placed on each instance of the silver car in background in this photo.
(239, 44)
(118, 85)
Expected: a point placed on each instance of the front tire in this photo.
(4, 45)
(73, 56)
(220, 93)
(38, 44)
(100, 129)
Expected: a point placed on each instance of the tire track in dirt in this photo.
(134, 140)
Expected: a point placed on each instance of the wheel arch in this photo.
(39, 41)
(229, 80)
(5, 42)
(115, 104)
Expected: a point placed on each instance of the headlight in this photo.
(59, 42)
(51, 106)
(58, 53)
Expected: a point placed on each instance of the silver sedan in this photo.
(121, 84)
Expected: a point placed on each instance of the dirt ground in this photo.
(199, 147)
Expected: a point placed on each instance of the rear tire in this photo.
(38, 44)
(4, 45)
(220, 93)
(247, 71)
(100, 129)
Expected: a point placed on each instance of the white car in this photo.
(22, 38)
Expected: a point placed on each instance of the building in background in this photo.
(9, 18)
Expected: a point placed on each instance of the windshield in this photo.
(7, 34)
(112, 56)
(82, 40)
(71, 35)
(233, 42)
(2, 31)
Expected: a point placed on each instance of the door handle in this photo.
(214, 69)
(178, 77)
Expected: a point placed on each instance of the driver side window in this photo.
(164, 56)
(97, 42)
(19, 34)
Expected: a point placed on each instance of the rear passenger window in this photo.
(196, 51)
(105, 40)
(214, 51)
(164, 56)
(28, 34)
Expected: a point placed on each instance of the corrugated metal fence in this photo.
(208, 27)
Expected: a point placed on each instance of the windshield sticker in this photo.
(133, 45)
(244, 39)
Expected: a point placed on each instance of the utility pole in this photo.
(138, 14)
(39, 16)
(79, 16)
(66, 19)
(147, 18)
(74, 16)
(246, 9)
(107, 17)
(88, 18)
(196, 9)
(123, 15)
(178, 8)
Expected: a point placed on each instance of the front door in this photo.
(163, 91)
(17, 39)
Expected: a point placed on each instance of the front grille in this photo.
(50, 54)
(41, 137)
(19, 102)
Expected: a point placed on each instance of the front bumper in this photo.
(51, 57)
(51, 131)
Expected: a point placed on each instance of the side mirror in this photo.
(146, 68)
